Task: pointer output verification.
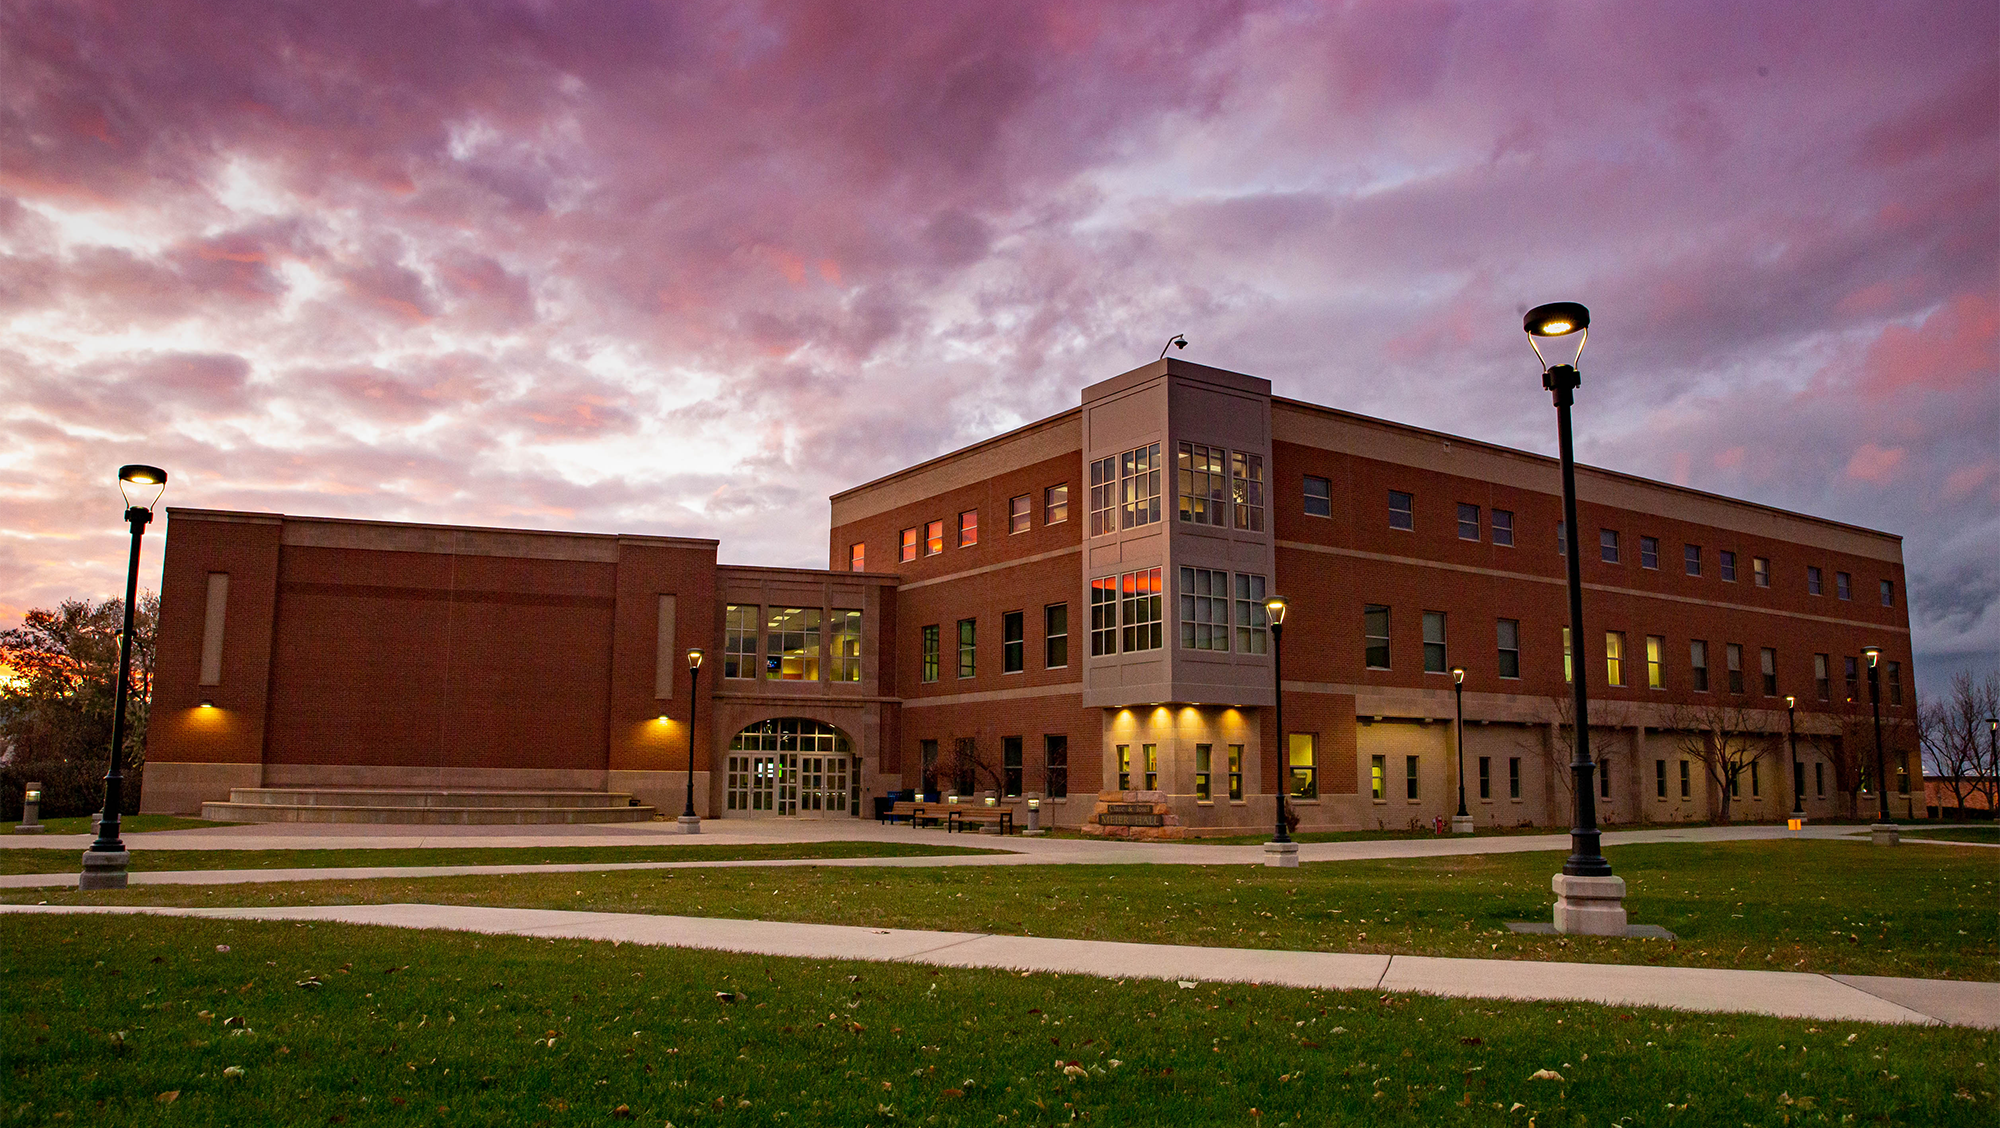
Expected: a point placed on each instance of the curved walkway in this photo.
(1836, 998)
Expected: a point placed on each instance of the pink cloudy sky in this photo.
(688, 268)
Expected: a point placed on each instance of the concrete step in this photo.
(420, 797)
(434, 815)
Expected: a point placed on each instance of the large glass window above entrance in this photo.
(789, 765)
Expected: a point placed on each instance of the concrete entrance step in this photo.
(417, 806)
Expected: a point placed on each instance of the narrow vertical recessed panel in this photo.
(211, 628)
(664, 664)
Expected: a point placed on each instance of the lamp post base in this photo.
(689, 824)
(1283, 854)
(1885, 834)
(104, 869)
(1461, 824)
(29, 828)
(1590, 906)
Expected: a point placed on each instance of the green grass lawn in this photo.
(1787, 905)
(66, 861)
(1989, 834)
(130, 824)
(144, 1022)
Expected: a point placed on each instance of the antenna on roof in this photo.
(1177, 340)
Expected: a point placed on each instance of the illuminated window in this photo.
(1055, 504)
(1203, 753)
(1468, 522)
(1377, 768)
(1402, 510)
(1569, 673)
(1727, 561)
(968, 528)
(1607, 545)
(1124, 767)
(1760, 571)
(933, 538)
(1139, 609)
(1104, 496)
(1509, 633)
(968, 650)
(931, 652)
(1019, 514)
(1375, 636)
(1246, 484)
(1732, 656)
(857, 557)
(1150, 755)
(1656, 674)
(1251, 621)
(1319, 497)
(1503, 528)
(1614, 657)
(1103, 616)
(909, 545)
(739, 641)
(791, 644)
(1013, 642)
(1204, 486)
(1434, 659)
(1204, 609)
(1649, 552)
(1698, 661)
(1236, 772)
(1302, 761)
(1055, 636)
(846, 627)
(1139, 487)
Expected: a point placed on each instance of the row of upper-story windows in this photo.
(791, 643)
(1013, 643)
(1221, 487)
(929, 538)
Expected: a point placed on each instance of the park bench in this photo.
(915, 814)
(958, 816)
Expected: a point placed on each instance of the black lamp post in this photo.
(1463, 823)
(1874, 656)
(104, 864)
(1792, 747)
(691, 822)
(1560, 319)
(1274, 613)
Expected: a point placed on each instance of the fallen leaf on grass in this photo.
(169, 1097)
(233, 1071)
(1545, 1075)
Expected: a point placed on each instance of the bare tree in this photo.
(1559, 713)
(1726, 739)
(965, 768)
(1953, 734)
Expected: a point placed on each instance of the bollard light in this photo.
(31, 811)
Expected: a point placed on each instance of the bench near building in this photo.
(1066, 611)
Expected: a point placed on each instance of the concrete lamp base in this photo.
(1461, 824)
(1885, 834)
(104, 870)
(690, 824)
(1285, 854)
(1590, 906)
(29, 828)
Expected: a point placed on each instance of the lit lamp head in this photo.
(1458, 675)
(33, 794)
(1873, 654)
(1557, 319)
(1274, 610)
(135, 481)
(694, 658)
(1791, 702)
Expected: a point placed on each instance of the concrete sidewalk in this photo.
(1841, 998)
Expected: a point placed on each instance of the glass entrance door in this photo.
(789, 766)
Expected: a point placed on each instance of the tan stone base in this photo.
(181, 788)
(666, 792)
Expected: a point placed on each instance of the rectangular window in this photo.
(1732, 655)
(1204, 609)
(1843, 585)
(1614, 657)
(1727, 561)
(1819, 779)
(1649, 552)
(1011, 768)
(1402, 513)
(927, 750)
(739, 641)
(1503, 527)
(1104, 496)
(1888, 593)
(1486, 777)
(1822, 680)
(1656, 674)
(1302, 763)
(1246, 485)
(791, 644)
(1510, 648)
(1055, 636)
(931, 652)
(1755, 788)
(1236, 772)
(1815, 580)
(1103, 616)
(1139, 487)
(933, 537)
(1513, 777)
(1562, 538)
(965, 759)
(1013, 642)
(1468, 522)
(1055, 504)
(1376, 770)
(1252, 624)
(1568, 675)
(1895, 682)
(1139, 609)
(1204, 485)
(968, 528)
(1151, 755)
(1767, 659)
(1124, 767)
(1735, 791)
(1375, 636)
(1760, 571)
(1604, 779)
(1319, 497)
(1020, 516)
(968, 647)
(1410, 777)
(846, 629)
(1692, 554)
(1853, 678)
(1434, 659)
(1607, 545)
(1698, 661)
(1202, 755)
(857, 557)
(909, 545)
(1687, 788)
(1660, 779)
(1055, 758)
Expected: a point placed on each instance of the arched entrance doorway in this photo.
(791, 766)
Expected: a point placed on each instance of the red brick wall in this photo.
(644, 573)
(233, 731)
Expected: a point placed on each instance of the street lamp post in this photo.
(691, 822)
(1792, 748)
(1874, 656)
(1589, 899)
(1280, 850)
(104, 864)
(1461, 823)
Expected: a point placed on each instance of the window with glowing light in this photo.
(1204, 487)
(739, 641)
(846, 625)
(1246, 486)
(791, 644)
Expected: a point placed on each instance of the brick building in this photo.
(1072, 607)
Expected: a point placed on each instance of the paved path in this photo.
(1855, 998)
